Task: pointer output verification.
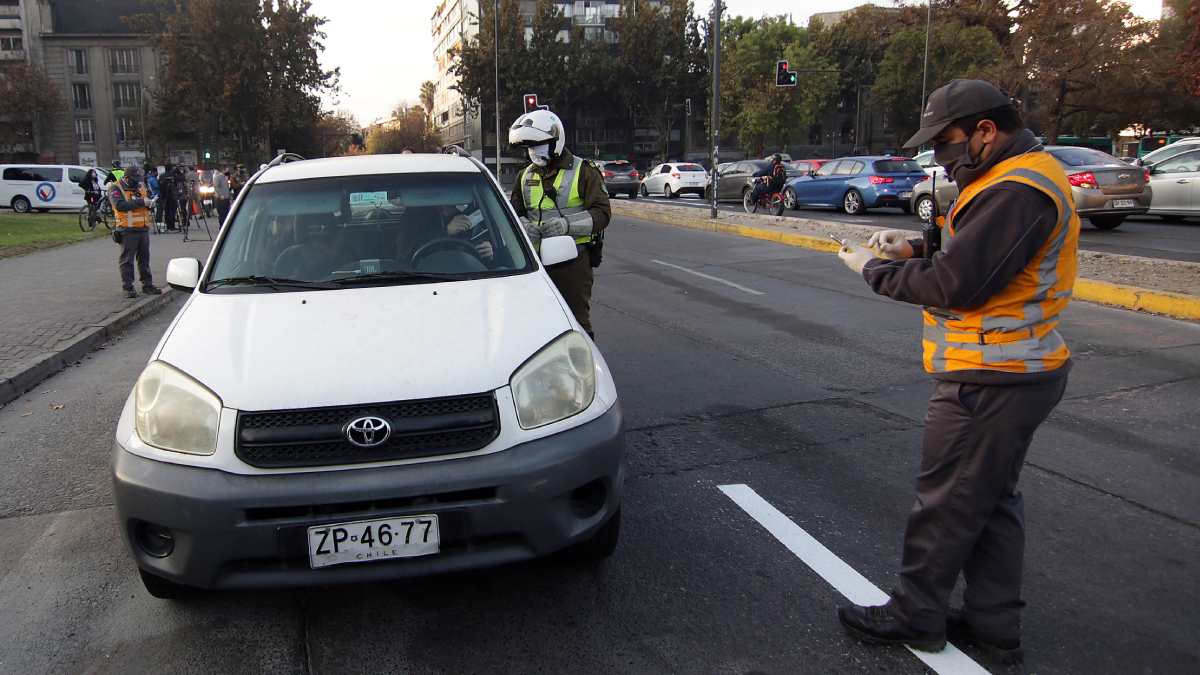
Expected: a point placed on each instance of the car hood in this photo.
(270, 351)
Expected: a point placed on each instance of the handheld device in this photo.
(931, 234)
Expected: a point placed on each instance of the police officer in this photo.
(560, 194)
(131, 206)
(992, 297)
(114, 173)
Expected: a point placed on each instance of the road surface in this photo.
(739, 363)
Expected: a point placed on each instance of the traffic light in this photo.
(784, 77)
(531, 102)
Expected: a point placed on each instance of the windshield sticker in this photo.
(368, 198)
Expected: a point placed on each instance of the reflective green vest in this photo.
(539, 206)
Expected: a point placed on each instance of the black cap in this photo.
(954, 101)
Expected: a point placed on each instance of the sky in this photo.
(385, 51)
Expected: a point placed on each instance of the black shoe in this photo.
(875, 625)
(151, 290)
(130, 293)
(1007, 651)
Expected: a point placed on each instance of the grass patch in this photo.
(25, 233)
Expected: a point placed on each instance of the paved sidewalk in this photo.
(48, 299)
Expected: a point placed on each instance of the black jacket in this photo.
(777, 173)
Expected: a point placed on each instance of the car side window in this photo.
(802, 167)
(77, 176)
(1184, 163)
(828, 169)
(666, 168)
(845, 168)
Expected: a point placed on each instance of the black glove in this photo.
(117, 236)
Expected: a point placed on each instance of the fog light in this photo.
(587, 500)
(156, 540)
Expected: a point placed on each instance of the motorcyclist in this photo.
(559, 194)
(776, 175)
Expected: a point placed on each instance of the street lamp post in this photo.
(716, 103)
(496, 63)
(925, 67)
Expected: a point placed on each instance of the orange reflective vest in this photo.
(1015, 330)
(136, 218)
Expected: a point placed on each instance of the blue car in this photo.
(855, 184)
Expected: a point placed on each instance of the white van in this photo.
(373, 377)
(44, 187)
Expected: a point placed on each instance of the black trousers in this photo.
(170, 209)
(968, 516)
(135, 244)
(574, 280)
(222, 210)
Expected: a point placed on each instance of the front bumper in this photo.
(234, 531)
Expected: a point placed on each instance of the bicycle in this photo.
(97, 210)
(769, 201)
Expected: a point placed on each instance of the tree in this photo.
(954, 51)
(428, 91)
(407, 129)
(333, 131)
(751, 105)
(27, 100)
(1073, 52)
(262, 86)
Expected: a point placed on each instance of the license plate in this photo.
(1124, 203)
(906, 195)
(372, 540)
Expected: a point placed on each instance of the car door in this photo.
(809, 191)
(648, 181)
(731, 183)
(1176, 184)
(75, 181)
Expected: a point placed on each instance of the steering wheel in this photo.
(293, 261)
(444, 244)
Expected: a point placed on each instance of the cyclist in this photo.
(776, 175)
(114, 175)
(92, 195)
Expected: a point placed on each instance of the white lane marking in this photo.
(844, 578)
(710, 277)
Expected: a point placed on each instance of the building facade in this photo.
(105, 73)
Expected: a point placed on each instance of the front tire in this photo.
(789, 199)
(749, 203)
(632, 195)
(645, 192)
(20, 204)
(852, 203)
(163, 589)
(601, 545)
(1106, 222)
(667, 192)
(925, 208)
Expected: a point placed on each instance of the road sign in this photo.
(783, 76)
(530, 102)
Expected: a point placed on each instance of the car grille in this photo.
(317, 436)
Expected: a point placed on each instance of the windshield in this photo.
(898, 166)
(396, 228)
(1084, 157)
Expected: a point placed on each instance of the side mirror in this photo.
(555, 250)
(183, 274)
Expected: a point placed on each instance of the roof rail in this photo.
(284, 157)
(457, 150)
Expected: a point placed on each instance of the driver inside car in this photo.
(461, 227)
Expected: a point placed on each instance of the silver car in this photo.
(1105, 189)
(1176, 183)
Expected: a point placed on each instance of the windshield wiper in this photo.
(414, 277)
(273, 282)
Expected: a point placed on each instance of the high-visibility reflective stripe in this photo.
(568, 201)
(135, 219)
(568, 179)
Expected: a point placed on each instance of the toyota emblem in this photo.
(368, 432)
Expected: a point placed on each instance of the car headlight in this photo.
(174, 412)
(557, 382)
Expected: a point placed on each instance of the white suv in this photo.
(373, 377)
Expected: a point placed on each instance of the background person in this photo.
(992, 298)
(131, 207)
(221, 188)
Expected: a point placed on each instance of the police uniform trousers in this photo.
(135, 244)
(574, 281)
(968, 516)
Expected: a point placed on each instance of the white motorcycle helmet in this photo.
(541, 133)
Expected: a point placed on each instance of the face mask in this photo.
(951, 155)
(539, 154)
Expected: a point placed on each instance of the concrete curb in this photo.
(33, 371)
(1175, 305)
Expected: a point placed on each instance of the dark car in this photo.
(855, 184)
(738, 177)
(620, 177)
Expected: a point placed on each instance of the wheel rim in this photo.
(21, 205)
(925, 209)
(667, 191)
(789, 200)
(748, 202)
(852, 202)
